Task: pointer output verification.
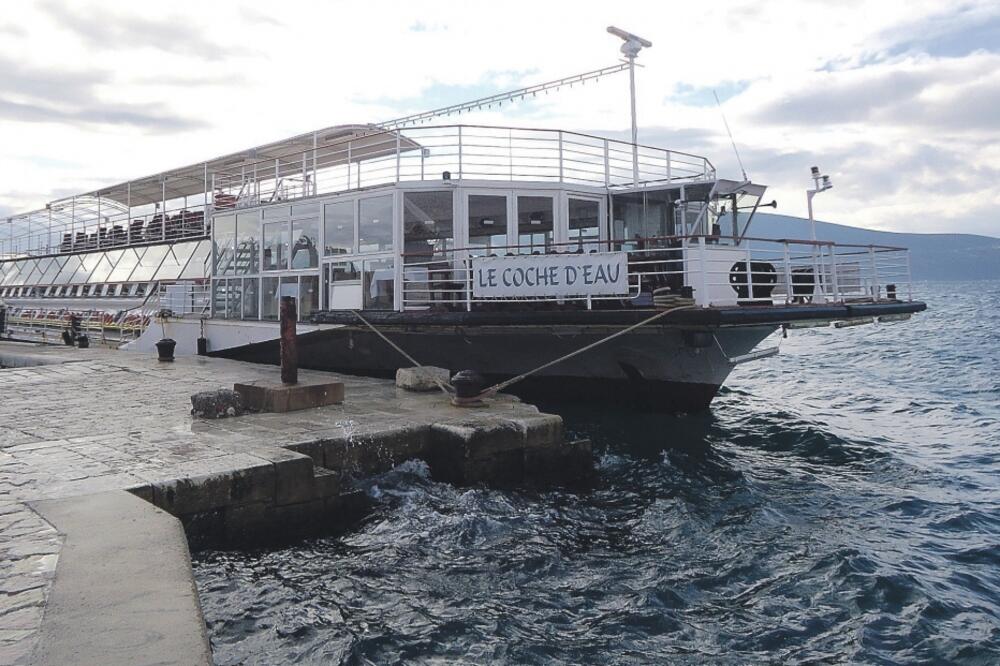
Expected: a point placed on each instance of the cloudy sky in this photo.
(898, 101)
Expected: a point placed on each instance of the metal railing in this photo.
(757, 271)
(462, 152)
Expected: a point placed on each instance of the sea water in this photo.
(840, 503)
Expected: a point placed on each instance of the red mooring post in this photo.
(289, 350)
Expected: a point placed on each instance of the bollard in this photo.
(289, 351)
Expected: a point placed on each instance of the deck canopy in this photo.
(282, 158)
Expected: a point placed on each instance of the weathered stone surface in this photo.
(426, 378)
(217, 404)
(269, 397)
(117, 420)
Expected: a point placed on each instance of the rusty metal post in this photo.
(289, 350)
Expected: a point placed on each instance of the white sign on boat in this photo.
(594, 274)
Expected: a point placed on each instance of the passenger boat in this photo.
(496, 249)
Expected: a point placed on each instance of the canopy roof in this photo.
(366, 141)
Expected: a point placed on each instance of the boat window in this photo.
(174, 262)
(305, 251)
(338, 225)
(85, 291)
(275, 246)
(140, 289)
(247, 256)
(378, 281)
(344, 271)
(219, 298)
(428, 226)
(641, 215)
(74, 290)
(126, 264)
(105, 265)
(251, 290)
(534, 224)
(308, 296)
(98, 289)
(584, 224)
(196, 264)
(269, 298)
(224, 238)
(234, 299)
(276, 213)
(53, 270)
(375, 224)
(487, 223)
(305, 210)
(149, 262)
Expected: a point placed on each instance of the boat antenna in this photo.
(500, 98)
(730, 133)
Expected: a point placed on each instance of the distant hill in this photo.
(932, 256)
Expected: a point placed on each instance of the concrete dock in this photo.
(105, 477)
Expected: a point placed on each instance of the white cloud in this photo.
(895, 99)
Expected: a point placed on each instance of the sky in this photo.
(897, 101)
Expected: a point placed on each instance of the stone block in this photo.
(426, 378)
(270, 397)
(200, 493)
(539, 430)
(217, 404)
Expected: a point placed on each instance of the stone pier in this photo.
(83, 433)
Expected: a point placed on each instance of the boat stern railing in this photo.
(705, 270)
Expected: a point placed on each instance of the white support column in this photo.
(607, 165)
(560, 156)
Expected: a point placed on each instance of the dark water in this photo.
(841, 503)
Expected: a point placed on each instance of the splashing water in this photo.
(841, 503)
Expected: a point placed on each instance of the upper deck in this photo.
(178, 204)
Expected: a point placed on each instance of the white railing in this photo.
(182, 299)
(462, 152)
(704, 268)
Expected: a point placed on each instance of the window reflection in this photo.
(375, 224)
(275, 246)
(534, 224)
(584, 225)
(251, 290)
(379, 278)
(428, 226)
(247, 256)
(487, 223)
(305, 251)
(269, 298)
(339, 228)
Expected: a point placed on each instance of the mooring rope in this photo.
(444, 388)
(496, 388)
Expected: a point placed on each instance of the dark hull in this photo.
(655, 369)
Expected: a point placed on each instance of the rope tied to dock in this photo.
(445, 388)
(496, 388)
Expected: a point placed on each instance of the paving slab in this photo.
(80, 427)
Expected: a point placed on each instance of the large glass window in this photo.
(428, 226)
(247, 256)
(305, 234)
(251, 290)
(276, 246)
(641, 215)
(219, 295)
(234, 300)
(375, 224)
(535, 224)
(487, 223)
(149, 262)
(123, 268)
(308, 296)
(224, 237)
(339, 227)
(269, 298)
(584, 225)
(378, 284)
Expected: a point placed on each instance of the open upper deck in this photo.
(178, 204)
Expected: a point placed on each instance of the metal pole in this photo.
(289, 349)
(809, 200)
(635, 127)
